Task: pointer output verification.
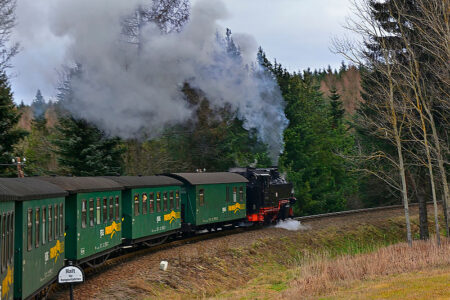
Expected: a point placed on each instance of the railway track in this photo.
(125, 255)
(355, 211)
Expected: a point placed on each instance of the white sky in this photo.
(297, 33)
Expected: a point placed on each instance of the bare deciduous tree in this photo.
(7, 22)
(168, 15)
(387, 119)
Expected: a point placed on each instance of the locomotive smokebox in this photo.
(269, 195)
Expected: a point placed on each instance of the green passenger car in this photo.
(93, 217)
(151, 207)
(38, 238)
(212, 198)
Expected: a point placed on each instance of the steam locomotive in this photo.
(269, 196)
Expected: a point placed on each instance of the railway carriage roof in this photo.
(22, 189)
(210, 178)
(84, 184)
(144, 181)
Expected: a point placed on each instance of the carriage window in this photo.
(83, 214)
(36, 228)
(9, 237)
(11, 244)
(144, 204)
(61, 220)
(30, 214)
(56, 222)
(234, 193)
(44, 220)
(227, 195)
(50, 220)
(117, 207)
(136, 204)
(177, 199)
(201, 197)
(91, 212)
(105, 210)
(241, 194)
(152, 202)
(165, 200)
(158, 201)
(111, 208)
(98, 210)
(1, 245)
(171, 200)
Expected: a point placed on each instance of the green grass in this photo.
(430, 284)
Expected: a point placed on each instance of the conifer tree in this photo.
(84, 150)
(9, 133)
(39, 107)
(337, 110)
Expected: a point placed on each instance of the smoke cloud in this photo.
(292, 225)
(125, 89)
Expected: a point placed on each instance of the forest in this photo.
(373, 133)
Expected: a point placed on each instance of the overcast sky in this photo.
(297, 33)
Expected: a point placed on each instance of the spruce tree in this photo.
(9, 133)
(84, 150)
(81, 148)
(319, 174)
(39, 107)
(337, 110)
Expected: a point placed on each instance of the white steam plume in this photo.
(124, 89)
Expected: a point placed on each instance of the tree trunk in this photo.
(437, 146)
(423, 213)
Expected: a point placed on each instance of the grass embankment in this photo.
(428, 284)
(302, 264)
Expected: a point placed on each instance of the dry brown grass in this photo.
(320, 275)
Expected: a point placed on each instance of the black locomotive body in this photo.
(269, 195)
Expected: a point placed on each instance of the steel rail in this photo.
(355, 211)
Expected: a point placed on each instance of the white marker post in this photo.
(70, 274)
